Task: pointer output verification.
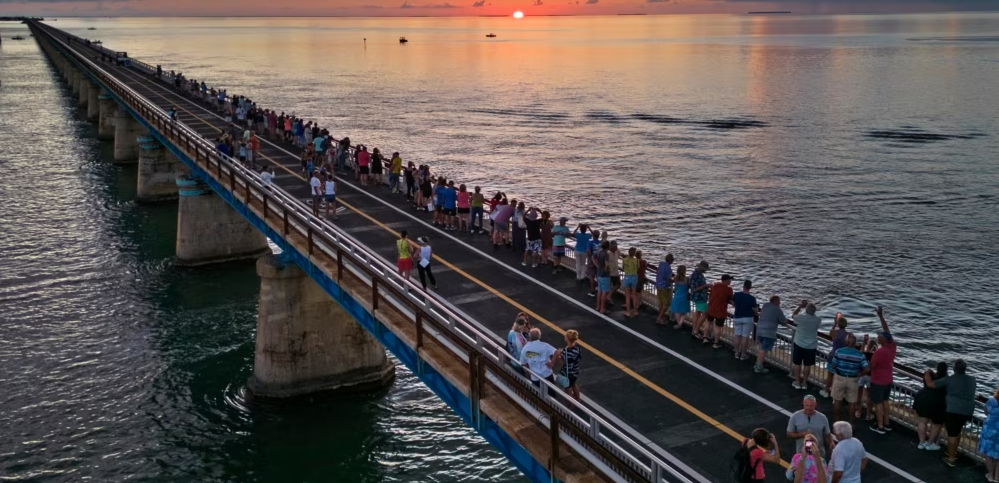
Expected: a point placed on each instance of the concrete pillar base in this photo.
(74, 82)
(210, 231)
(158, 172)
(93, 106)
(105, 117)
(306, 343)
(84, 95)
(126, 131)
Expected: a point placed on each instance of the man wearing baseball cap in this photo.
(559, 232)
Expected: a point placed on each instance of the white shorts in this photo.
(743, 326)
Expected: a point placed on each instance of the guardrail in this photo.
(489, 367)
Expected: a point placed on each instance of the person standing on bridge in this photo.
(882, 375)
(395, 170)
(988, 441)
(405, 261)
(329, 195)
(515, 339)
(680, 305)
(539, 357)
(960, 401)
(424, 257)
(630, 265)
(746, 309)
(572, 356)
(532, 249)
(601, 260)
(558, 235)
(805, 343)
(699, 296)
(720, 297)
(848, 457)
(364, 164)
(582, 237)
(254, 147)
(317, 192)
(477, 203)
(664, 289)
(808, 420)
(846, 365)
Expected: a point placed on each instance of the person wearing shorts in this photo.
(405, 261)
(317, 193)
(601, 260)
(846, 365)
(664, 289)
(559, 233)
(746, 310)
(698, 287)
(720, 297)
(771, 317)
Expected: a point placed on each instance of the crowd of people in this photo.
(859, 369)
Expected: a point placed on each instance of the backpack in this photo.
(742, 469)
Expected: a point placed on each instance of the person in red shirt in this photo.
(882, 376)
(719, 298)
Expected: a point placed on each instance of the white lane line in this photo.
(558, 293)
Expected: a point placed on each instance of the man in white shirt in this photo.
(329, 194)
(317, 193)
(538, 356)
(848, 458)
(267, 176)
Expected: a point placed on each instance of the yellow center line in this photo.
(610, 360)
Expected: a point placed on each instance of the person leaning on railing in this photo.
(988, 440)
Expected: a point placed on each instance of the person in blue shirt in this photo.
(591, 269)
(746, 310)
(449, 196)
(582, 244)
(439, 201)
(664, 289)
(846, 365)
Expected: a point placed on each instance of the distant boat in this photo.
(771, 12)
(490, 35)
(17, 37)
(92, 28)
(402, 40)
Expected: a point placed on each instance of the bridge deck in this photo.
(688, 400)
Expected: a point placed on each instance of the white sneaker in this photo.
(932, 447)
(824, 393)
(795, 385)
(524, 263)
(922, 445)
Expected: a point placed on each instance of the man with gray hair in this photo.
(806, 343)
(807, 421)
(539, 356)
(846, 365)
(848, 458)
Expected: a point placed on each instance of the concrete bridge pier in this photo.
(158, 171)
(105, 116)
(74, 82)
(126, 131)
(85, 86)
(210, 231)
(93, 107)
(307, 343)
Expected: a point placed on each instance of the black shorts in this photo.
(802, 357)
(720, 322)
(937, 417)
(448, 211)
(616, 281)
(363, 170)
(572, 380)
(954, 422)
(463, 211)
(879, 393)
(426, 193)
(438, 208)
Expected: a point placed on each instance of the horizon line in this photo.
(649, 14)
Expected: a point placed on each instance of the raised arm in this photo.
(881, 316)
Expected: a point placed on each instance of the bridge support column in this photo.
(126, 131)
(74, 81)
(158, 171)
(210, 231)
(93, 107)
(307, 343)
(105, 116)
(84, 91)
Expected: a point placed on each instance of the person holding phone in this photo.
(807, 465)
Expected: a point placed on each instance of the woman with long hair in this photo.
(763, 448)
(681, 296)
(930, 406)
(807, 465)
(573, 356)
(988, 441)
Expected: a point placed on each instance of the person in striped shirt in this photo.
(846, 365)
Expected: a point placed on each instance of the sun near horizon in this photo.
(518, 14)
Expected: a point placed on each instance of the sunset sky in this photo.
(469, 7)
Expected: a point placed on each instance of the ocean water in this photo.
(115, 365)
(850, 160)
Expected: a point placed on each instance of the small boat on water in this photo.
(17, 37)
(92, 28)
(490, 35)
(402, 40)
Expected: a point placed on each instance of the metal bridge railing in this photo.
(489, 368)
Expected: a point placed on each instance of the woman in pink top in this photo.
(464, 207)
(363, 164)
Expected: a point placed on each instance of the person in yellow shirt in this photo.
(631, 301)
(405, 261)
(395, 170)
